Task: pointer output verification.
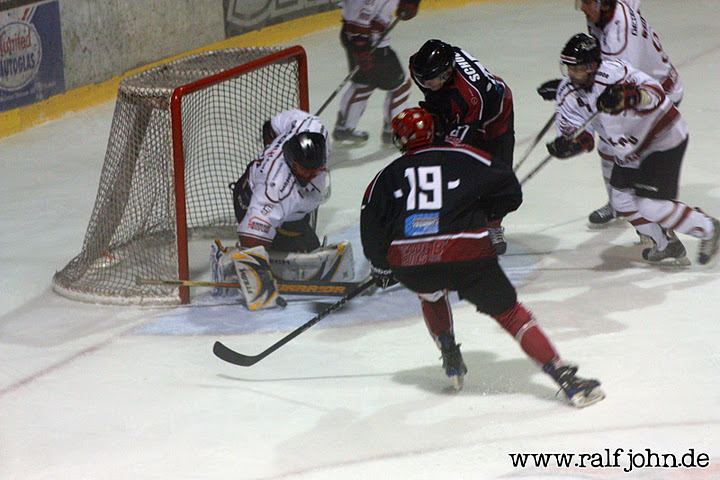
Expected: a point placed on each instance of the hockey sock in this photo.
(677, 216)
(519, 322)
(606, 166)
(352, 105)
(652, 230)
(396, 101)
(495, 223)
(437, 313)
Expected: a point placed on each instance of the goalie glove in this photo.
(563, 147)
(383, 277)
(618, 97)
(407, 9)
(548, 90)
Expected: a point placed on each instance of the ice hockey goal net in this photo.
(181, 132)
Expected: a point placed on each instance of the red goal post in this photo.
(181, 132)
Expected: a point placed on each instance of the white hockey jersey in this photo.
(369, 17)
(627, 36)
(629, 137)
(277, 196)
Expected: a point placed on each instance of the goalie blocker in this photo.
(256, 271)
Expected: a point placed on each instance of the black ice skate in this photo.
(580, 391)
(709, 248)
(497, 238)
(602, 215)
(673, 254)
(452, 360)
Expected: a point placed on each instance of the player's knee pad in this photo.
(255, 278)
(658, 210)
(333, 263)
(623, 201)
(516, 320)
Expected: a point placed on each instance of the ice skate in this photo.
(602, 215)
(580, 391)
(387, 136)
(497, 238)
(350, 136)
(709, 248)
(673, 254)
(453, 361)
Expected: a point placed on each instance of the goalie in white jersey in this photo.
(642, 132)
(274, 201)
(623, 34)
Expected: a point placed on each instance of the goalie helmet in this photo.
(412, 128)
(305, 154)
(433, 59)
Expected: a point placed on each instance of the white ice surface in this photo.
(99, 392)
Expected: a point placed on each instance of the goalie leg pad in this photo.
(256, 279)
(333, 263)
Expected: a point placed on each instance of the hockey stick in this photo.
(357, 67)
(535, 142)
(289, 287)
(547, 159)
(231, 356)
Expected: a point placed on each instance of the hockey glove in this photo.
(618, 97)
(383, 278)
(407, 9)
(563, 147)
(441, 128)
(360, 50)
(548, 90)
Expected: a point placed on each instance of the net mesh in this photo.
(133, 229)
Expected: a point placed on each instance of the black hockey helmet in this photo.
(305, 154)
(581, 49)
(608, 4)
(433, 58)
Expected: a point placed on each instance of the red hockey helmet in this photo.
(413, 128)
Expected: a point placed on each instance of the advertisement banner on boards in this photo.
(242, 16)
(31, 59)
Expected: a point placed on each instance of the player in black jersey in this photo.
(424, 222)
(469, 104)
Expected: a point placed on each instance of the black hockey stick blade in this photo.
(231, 356)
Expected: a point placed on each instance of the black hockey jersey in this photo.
(432, 206)
(474, 100)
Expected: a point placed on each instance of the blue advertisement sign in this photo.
(31, 61)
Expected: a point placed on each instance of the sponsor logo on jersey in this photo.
(259, 225)
(422, 224)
